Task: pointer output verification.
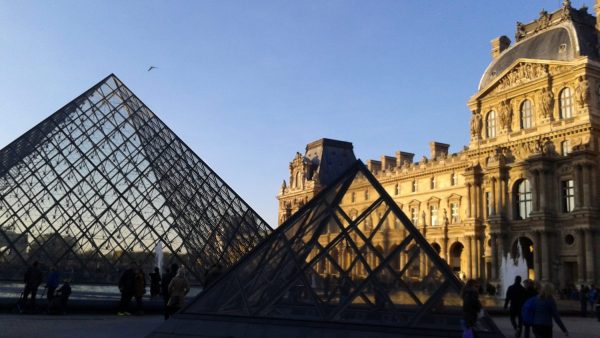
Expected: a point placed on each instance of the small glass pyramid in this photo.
(103, 183)
(321, 269)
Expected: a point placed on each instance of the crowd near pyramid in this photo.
(103, 183)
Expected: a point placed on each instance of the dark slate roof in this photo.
(577, 40)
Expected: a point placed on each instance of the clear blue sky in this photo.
(246, 84)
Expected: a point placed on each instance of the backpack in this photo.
(528, 311)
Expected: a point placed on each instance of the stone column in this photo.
(535, 191)
(469, 206)
(578, 187)
(537, 256)
(476, 256)
(542, 189)
(587, 185)
(589, 255)
(494, 252)
(468, 251)
(581, 257)
(494, 199)
(546, 259)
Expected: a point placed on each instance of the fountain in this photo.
(512, 266)
(158, 254)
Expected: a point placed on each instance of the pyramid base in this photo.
(207, 326)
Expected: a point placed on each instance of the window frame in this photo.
(526, 115)
(565, 103)
(490, 124)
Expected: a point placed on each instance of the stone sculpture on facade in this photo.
(476, 125)
(582, 92)
(505, 115)
(547, 103)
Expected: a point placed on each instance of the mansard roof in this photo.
(563, 35)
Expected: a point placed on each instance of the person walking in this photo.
(139, 289)
(155, 283)
(544, 311)
(515, 295)
(166, 280)
(583, 299)
(52, 283)
(127, 287)
(33, 278)
(471, 307)
(530, 293)
(178, 288)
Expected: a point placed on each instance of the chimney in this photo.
(402, 157)
(438, 149)
(388, 162)
(500, 44)
(374, 166)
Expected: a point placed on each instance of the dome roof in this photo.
(563, 42)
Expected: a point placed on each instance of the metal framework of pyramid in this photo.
(321, 275)
(103, 183)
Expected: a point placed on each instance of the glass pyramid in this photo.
(322, 269)
(103, 183)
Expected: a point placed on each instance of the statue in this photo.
(476, 125)
(505, 114)
(582, 92)
(547, 103)
(520, 33)
(283, 186)
(446, 222)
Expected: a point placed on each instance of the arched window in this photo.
(526, 115)
(523, 199)
(566, 103)
(490, 124)
(298, 180)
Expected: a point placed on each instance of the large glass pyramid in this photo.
(104, 183)
(320, 274)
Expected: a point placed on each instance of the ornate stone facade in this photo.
(530, 174)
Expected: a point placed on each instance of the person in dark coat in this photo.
(52, 283)
(166, 280)
(515, 295)
(127, 288)
(33, 278)
(544, 312)
(139, 289)
(471, 304)
(530, 292)
(583, 299)
(155, 283)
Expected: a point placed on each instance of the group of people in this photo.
(172, 285)
(589, 295)
(532, 308)
(57, 296)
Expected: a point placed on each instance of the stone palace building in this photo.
(530, 174)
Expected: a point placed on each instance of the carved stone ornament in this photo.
(505, 114)
(523, 73)
(582, 92)
(476, 125)
(546, 103)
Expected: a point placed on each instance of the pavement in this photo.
(112, 326)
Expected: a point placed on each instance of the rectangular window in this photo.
(454, 213)
(488, 203)
(568, 195)
(414, 216)
(434, 215)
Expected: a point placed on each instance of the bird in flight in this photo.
(152, 67)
